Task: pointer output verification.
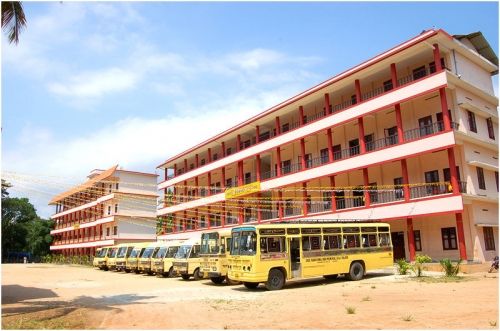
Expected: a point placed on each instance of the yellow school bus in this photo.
(187, 260)
(274, 253)
(122, 254)
(214, 253)
(144, 264)
(161, 265)
(111, 261)
(133, 260)
(100, 258)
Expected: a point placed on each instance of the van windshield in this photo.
(147, 253)
(172, 251)
(210, 243)
(112, 252)
(161, 253)
(244, 243)
(102, 252)
(121, 252)
(183, 252)
(135, 252)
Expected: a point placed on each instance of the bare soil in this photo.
(36, 296)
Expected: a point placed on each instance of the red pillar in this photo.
(238, 143)
(327, 104)
(361, 129)
(394, 75)
(453, 171)
(304, 199)
(257, 134)
(223, 147)
(209, 155)
(303, 152)
(444, 109)
(185, 165)
(357, 87)
(332, 186)
(240, 173)
(330, 144)
(278, 161)
(258, 167)
(461, 236)
(366, 183)
(404, 172)
(399, 123)
(278, 126)
(411, 238)
(437, 58)
(301, 115)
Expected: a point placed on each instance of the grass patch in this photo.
(493, 323)
(53, 319)
(350, 310)
(407, 318)
(442, 279)
(367, 298)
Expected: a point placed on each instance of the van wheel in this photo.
(250, 286)
(137, 271)
(217, 280)
(356, 271)
(275, 280)
(334, 276)
(197, 275)
(170, 272)
(185, 276)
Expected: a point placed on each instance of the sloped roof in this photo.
(84, 186)
(481, 45)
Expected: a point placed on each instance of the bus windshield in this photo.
(244, 243)
(147, 252)
(183, 252)
(121, 252)
(135, 252)
(172, 251)
(102, 252)
(210, 243)
(112, 252)
(161, 253)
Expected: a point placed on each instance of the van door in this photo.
(295, 265)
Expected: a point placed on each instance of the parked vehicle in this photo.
(187, 260)
(144, 263)
(161, 265)
(214, 253)
(123, 253)
(132, 261)
(100, 257)
(494, 264)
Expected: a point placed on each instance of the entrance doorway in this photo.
(398, 245)
(295, 257)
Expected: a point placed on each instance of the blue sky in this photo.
(95, 84)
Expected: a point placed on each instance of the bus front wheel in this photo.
(217, 280)
(171, 272)
(275, 280)
(356, 271)
(197, 275)
(250, 286)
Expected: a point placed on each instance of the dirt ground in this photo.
(36, 296)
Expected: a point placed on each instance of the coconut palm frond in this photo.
(13, 19)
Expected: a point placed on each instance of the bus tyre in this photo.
(217, 280)
(127, 270)
(185, 277)
(275, 280)
(356, 271)
(250, 286)
(170, 272)
(197, 275)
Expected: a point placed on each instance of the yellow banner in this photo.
(76, 226)
(234, 192)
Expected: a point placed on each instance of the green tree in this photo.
(16, 214)
(13, 19)
(5, 187)
(38, 236)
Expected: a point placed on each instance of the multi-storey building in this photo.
(408, 137)
(112, 207)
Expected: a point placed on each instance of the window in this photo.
(418, 241)
(115, 230)
(311, 243)
(432, 177)
(191, 166)
(398, 187)
(337, 152)
(272, 245)
(202, 162)
(248, 178)
(309, 160)
(285, 127)
(332, 242)
(215, 157)
(370, 146)
(246, 144)
(324, 155)
(288, 207)
(369, 240)
(354, 147)
(489, 238)
(491, 132)
(109, 210)
(425, 125)
(117, 186)
(480, 178)
(229, 182)
(286, 167)
(327, 200)
(432, 66)
(110, 187)
(353, 99)
(107, 231)
(373, 191)
(471, 117)
(391, 135)
(419, 73)
(116, 208)
(496, 179)
(384, 239)
(351, 241)
(388, 85)
(449, 238)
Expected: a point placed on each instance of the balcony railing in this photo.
(380, 90)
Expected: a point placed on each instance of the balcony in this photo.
(308, 119)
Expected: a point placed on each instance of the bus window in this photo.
(351, 241)
(244, 243)
(383, 239)
(306, 244)
(369, 240)
(195, 251)
(272, 245)
(315, 243)
(332, 242)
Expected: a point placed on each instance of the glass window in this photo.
(489, 238)
(369, 240)
(332, 242)
(480, 178)
(351, 241)
(419, 73)
(491, 132)
(324, 155)
(272, 244)
(418, 241)
(384, 239)
(472, 121)
(449, 238)
(244, 243)
(388, 85)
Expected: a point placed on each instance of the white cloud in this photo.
(255, 59)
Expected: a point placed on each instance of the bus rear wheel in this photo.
(275, 280)
(217, 280)
(171, 272)
(356, 271)
(197, 275)
(250, 285)
(185, 277)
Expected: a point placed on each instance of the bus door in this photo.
(295, 266)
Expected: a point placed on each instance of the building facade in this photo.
(113, 206)
(408, 137)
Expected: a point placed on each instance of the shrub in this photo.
(419, 263)
(350, 310)
(403, 266)
(450, 269)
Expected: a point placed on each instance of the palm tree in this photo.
(13, 19)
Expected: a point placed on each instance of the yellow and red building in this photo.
(408, 137)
